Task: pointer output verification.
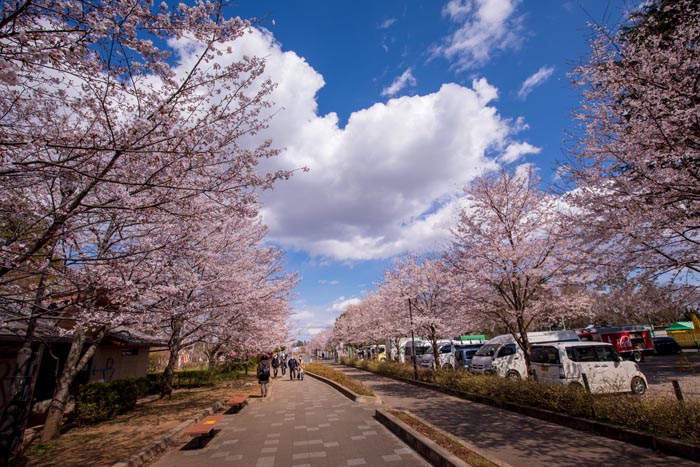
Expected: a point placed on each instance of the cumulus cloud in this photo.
(387, 183)
(514, 151)
(341, 304)
(406, 79)
(535, 80)
(484, 26)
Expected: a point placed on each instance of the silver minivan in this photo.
(594, 365)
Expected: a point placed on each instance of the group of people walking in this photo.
(278, 362)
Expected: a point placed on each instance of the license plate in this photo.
(544, 368)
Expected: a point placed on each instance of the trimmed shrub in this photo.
(103, 401)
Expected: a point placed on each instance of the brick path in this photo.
(300, 424)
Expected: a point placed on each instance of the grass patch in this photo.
(452, 445)
(658, 415)
(339, 377)
(41, 449)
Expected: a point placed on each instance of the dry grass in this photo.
(340, 378)
(452, 445)
(109, 442)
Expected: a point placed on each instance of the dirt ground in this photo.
(109, 442)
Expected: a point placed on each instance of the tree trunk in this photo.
(74, 362)
(394, 343)
(525, 346)
(212, 356)
(16, 412)
(174, 345)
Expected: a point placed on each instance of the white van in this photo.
(445, 353)
(502, 356)
(595, 364)
(422, 347)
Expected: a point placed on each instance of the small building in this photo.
(122, 353)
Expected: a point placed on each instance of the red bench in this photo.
(204, 427)
(237, 401)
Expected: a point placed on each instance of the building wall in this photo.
(112, 363)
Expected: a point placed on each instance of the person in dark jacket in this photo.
(263, 372)
(283, 363)
(292, 364)
(275, 365)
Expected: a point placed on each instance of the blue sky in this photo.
(394, 106)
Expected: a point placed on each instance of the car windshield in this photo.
(488, 350)
(422, 350)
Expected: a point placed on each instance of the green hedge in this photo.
(98, 402)
(103, 401)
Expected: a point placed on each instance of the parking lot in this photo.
(660, 370)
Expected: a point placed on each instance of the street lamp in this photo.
(413, 342)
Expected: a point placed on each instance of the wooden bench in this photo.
(237, 401)
(204, 427)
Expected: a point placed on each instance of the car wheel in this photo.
(636, 356)
(447, 366)
(513, 376)
(638, 386)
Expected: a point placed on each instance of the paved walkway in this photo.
(300, 424)
(518, 440)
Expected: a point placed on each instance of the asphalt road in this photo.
(660, 370)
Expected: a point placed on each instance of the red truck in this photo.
(632, 342)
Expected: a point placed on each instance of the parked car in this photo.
(666, 346)
(595, 366)
(422, 348)
(501, 356)
(464, 355)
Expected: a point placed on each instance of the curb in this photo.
(373, 400)
(657, 443)
(431, 451)
(149, 452)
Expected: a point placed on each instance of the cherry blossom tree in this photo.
(437, 314)
(323, 341)
(393, 318)
(104, 123)
(221, 285)
(510, 252)
(634, 170)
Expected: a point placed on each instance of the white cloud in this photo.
(302, 315)
(327, 282)
(406, 79)
(484, 26)
(387, 182)
(535, 80)
(341, 304)
(386, 24)
(515, 150)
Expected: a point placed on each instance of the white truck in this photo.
(502, 356)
